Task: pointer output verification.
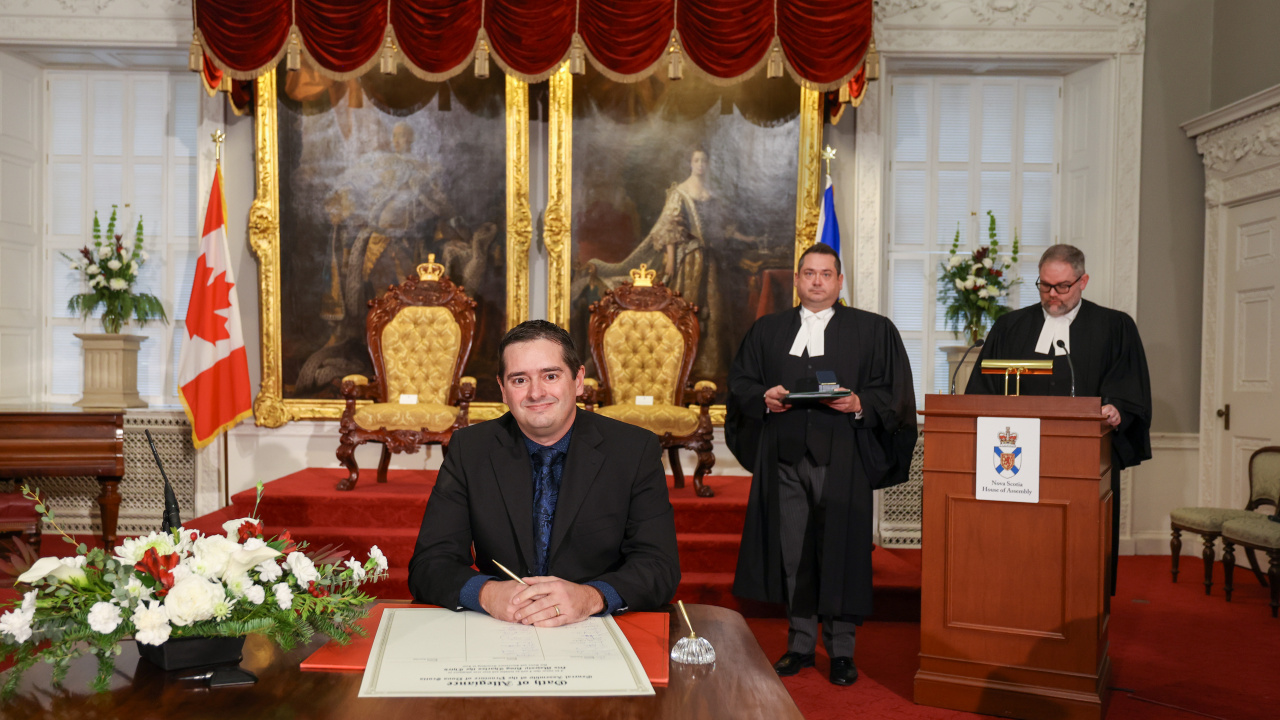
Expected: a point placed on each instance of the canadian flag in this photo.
(214, 370)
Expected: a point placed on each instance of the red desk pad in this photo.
(648, 633)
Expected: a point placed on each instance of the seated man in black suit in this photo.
(572, 501)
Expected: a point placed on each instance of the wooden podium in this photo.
(1014, 603)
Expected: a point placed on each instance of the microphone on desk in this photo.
(171, 518)
(961, 364)
(1071, 365)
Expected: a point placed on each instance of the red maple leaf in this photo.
(206, 300)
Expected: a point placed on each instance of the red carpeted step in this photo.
(309, 497)
(707, 552)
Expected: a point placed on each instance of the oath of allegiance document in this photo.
(434, 652)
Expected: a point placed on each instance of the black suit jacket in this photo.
(613, 519)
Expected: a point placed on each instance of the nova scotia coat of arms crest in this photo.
(1008, 456)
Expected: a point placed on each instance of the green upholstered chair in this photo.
(1253, 533)
(1208, 522)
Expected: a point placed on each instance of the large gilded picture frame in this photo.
(683, 176)
(418, 225)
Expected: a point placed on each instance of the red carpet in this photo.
(1176, 654)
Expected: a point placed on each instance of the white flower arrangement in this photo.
(110, 268)
(176, 584)
(979, 278)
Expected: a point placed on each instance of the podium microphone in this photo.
(961, 364)
(1071, 365)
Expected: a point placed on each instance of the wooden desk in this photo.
(742, 684)
(63, 441)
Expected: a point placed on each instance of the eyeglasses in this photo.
(1060, 288)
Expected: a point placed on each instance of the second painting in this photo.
(694, 180)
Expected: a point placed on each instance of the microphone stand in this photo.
(1070, 364)
(171, 519)
(964, 357)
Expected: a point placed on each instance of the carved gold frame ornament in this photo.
(558, 232)
(271, 408)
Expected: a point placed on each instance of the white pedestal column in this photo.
(111, 370)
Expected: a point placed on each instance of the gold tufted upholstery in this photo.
(657, 419)
(420, 348)
(643, 351)
(394, 416)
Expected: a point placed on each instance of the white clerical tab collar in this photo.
(1055, 329)
(811, 335)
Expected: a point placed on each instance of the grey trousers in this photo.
(802, 510)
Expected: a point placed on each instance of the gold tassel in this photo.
(577, 58)
(873, 61)
(482, 60)
(195, 55)
(775, 61)
(844, 92)
(388, 62)
(293, 57)
(225, 84)
(675, 61)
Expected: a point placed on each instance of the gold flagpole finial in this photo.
(218, 137)
(828, 154)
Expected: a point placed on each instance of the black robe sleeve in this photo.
(1127, 385)
(744, 414)
(889, 406)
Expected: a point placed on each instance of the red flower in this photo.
(316, 590)
(997, 273)
(160, 568)
(85, 252)
(249, 530)
(289, 544)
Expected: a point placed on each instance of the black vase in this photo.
(181, 653)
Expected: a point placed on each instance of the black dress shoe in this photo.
(843, 672)
(792, 663)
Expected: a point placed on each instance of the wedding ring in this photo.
(557, 611)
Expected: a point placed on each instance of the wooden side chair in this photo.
(18, 516)
(1259, 532)
(419, 335)
(644, 339)
(1208, 522)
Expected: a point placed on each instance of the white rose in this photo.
(210, 555)
(119, 284)
(130, 552)
(376, 555)
(104, 617)
(255, 594)
(984, 293)
(243, 559)
(193, 599)
(151, 624)
(986, 263)
(302, 568)
(105, 251)
(955, 261)
(92, 270)
(269, 571)
(17, 624)
(357, 570)
(979, 282)
(284, 596)
(114, 264)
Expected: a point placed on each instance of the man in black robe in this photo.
(806, 541)
(1107, 353)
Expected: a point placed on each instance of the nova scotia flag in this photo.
(829, 230)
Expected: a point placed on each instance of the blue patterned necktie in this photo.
(546, 490)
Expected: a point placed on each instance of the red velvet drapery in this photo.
(821, 42)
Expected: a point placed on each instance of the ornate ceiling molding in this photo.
(1018, 26)
(105, 23)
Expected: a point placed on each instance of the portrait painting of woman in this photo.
(695, 181)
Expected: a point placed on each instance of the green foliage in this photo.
(972, 285)
(60, 595)
(110, 269)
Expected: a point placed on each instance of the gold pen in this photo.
(508, 572)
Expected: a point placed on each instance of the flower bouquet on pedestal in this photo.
(972, 285)
(110, 267)
(169, 586)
